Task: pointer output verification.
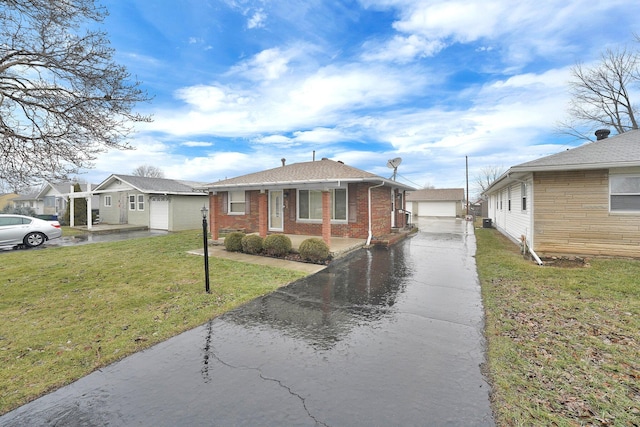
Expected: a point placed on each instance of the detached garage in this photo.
(156, 203)
(436, 202)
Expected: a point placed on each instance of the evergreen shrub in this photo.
(314, 250)
(277, 245)
(252, 244)
(233, 241)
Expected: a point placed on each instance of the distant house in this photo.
(583, 201)
(6, 199)
(52, 199)
(319, 198)
(156, 203)
(30, 201)
(436, 202)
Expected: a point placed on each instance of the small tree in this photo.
(79, 209)
(486, 177)
(148, 171)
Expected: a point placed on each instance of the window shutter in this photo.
(247, 202)
(225, 202)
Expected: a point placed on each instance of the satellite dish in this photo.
(394, 163)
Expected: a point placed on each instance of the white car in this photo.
(17, 230)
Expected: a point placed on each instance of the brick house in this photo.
(583, 201)
(320, 198)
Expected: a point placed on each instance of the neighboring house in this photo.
(583, 201)
(157, 203)
(436, 202)
(53, 198)
(6, 199)
(29, 201)
(319, 198)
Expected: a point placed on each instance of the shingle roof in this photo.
(617, 151)
(436, 194)
(154, 185)
(324, 170)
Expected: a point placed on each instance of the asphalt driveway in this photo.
(384, 337)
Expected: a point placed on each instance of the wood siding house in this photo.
(320, 198)
(156, 203)
(583, 201)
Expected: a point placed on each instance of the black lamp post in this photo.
(204, 211)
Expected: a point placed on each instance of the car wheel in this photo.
(34, 239)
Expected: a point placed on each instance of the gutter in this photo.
(370, 226)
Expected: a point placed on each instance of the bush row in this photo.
(277, 245)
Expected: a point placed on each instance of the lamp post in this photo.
(204, 211)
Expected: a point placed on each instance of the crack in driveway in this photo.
(210, 351)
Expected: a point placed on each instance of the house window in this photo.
(501, 196)
(509, 199)
(236, 203)
(107, 201)
(132, 202)
(310, 204)
(624, 192)
(140, 202)
(523, 192)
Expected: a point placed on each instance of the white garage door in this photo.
(437, 209)
(159, 213)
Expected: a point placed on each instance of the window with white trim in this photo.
(107, 201)
(136, 202)
(523, 193)
(310, 204)
(236, 203)
(624, 193)
(509, 198)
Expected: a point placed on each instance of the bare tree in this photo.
(63, 100)
(486, 176)
(601, 95)
(148, 171)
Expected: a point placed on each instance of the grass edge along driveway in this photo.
(563, 344)
(65, 312)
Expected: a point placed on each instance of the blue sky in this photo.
(240, 84)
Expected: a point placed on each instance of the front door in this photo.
(275, 211)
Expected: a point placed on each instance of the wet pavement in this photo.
(383, 337)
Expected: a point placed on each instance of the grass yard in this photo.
(67, 311)
(563, 343)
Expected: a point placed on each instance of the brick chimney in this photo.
(602, 134)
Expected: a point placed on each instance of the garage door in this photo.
(437, 209)
(159, 213)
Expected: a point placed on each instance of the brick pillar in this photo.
(214, 215)
(326, 217)
(263, 214)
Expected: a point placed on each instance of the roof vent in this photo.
(602, 134)
(283, 160)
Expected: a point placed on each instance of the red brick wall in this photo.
(358, 217)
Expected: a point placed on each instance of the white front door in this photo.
(275, 211)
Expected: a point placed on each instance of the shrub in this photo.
(277, 245)
(233, 241)
(252, 244)
(314, 250)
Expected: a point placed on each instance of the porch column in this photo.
(263, 214)
(214, 214)
(89, 208)
(326, 217)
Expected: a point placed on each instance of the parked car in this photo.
(17, 230)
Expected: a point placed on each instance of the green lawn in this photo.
(67, 311)
(563, 343)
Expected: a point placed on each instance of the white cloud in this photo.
(257, 19)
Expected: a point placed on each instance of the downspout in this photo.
(370, 225)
